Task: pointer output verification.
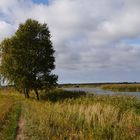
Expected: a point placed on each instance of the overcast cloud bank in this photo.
(95, 41)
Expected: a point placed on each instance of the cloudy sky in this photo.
(95, 40)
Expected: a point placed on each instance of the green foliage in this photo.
(59, 95)
(27, 57)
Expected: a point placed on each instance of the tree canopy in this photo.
(27, 58)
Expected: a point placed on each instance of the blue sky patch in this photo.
(41, 1)
(135, 41)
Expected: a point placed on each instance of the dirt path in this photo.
(20, 134)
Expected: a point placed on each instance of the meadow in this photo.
(122, 87)
(63, 115)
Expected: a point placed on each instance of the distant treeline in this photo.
(96, 84)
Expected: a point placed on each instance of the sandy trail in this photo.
(20, 128)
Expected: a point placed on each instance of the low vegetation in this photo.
(9, 114)
(122, 87)
(62, 115)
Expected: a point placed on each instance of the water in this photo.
(90, 90)
(137, 94)
(100, 91)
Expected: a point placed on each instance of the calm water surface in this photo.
(102, 92)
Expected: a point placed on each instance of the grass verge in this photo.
(10, 127)
(10, 109)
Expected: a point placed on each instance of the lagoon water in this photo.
(100, 91)
(137, 94)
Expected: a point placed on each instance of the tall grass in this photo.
(83, 118)
(122, 87)
(5, 107)
(9, 114)
(62, 115)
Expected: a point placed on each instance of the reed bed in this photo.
(122, 87)
(84, 118)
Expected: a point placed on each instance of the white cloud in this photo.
(6, 29)
(7, 3)
(88, 36)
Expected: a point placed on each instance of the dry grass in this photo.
(5, 107)
(9, 111)
(122, 87)
(67, 116)
(74, 120)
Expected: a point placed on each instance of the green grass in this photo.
(9, 130)
(122, 87)
(84, 117)
(61, 95)
(62, 115)
(69, 120)
(10, 108)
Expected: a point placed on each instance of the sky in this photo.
(95, 40)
